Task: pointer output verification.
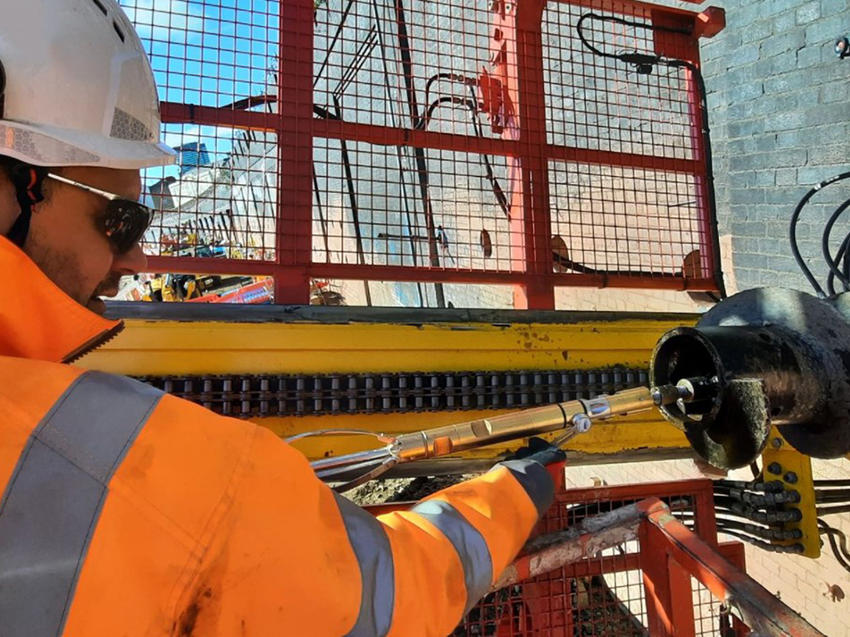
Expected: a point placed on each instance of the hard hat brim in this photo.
(44, 145)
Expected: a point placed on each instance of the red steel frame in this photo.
(671, 555)
(296, 128)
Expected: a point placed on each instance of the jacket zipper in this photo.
(93, 344)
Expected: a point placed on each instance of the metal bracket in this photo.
(794, 469)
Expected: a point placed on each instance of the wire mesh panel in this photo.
(708, 611)
(221, 204)
(402, 65)
(390, 223)
(606, 104)
(220, 200)
(209, 52)
(621, 95)
(606, 220)
(427, 144)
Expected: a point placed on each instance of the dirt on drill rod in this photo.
(401, 489)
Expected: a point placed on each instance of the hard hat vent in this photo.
(118, 31)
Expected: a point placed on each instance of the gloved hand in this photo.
(552, 458)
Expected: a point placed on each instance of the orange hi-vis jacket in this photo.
(126, 511)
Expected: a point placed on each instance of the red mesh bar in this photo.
(430, 144)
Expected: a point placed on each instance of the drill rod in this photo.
(570, 418)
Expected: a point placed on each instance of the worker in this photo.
(157, 285)
(126, 511)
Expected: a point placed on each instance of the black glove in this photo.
(548, 456)
(540, 451)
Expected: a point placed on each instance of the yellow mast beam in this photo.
(171, 347)
(176, 348)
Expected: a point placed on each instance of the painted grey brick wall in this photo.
(779, 105)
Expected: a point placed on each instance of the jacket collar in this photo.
(40, 321)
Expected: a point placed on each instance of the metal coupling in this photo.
(581, 422)
(685, 390)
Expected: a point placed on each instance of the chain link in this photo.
(251, 396)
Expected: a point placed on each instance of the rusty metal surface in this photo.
(394, 315)
(729, 425)
(586, 540)
(822, 337)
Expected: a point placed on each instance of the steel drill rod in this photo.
(343, 472)
(569, 418)
(373, 455)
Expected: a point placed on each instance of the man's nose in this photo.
(130, 262)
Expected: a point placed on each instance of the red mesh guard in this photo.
(439, 142)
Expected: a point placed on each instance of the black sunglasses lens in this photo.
(125, 222)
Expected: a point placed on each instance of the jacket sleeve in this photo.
(291, 556)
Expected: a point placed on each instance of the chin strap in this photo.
(27, 180)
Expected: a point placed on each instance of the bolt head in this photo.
(656, 396)
(790, 477)
(775, 468)
(581, 422)
(776, 443)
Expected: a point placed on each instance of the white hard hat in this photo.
(79, 89)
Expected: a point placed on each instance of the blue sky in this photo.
(211, 52)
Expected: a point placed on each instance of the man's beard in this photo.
(107, 287)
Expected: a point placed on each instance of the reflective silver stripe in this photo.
(375, 558)
(52, 502)
(535, 480)
(468, 542)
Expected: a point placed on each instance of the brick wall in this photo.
(778, 100)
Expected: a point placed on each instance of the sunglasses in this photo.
(123, 221)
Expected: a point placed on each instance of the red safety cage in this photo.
(430, 145)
